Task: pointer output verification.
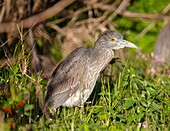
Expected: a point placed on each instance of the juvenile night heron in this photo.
(74, 79)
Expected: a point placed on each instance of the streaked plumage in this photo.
(74, 79)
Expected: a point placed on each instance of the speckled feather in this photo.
(65, 78)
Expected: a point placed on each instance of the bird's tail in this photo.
(45, 112)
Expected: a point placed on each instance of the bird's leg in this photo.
(75, 109)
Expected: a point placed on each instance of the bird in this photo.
(74, 79)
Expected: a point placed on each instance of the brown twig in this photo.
(2, 13)
(120, 9)
(56, 27)
(75, 15)
(144, 16)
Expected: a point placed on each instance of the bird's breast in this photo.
(92, 68)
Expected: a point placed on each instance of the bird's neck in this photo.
(102, 56)
(103, 52)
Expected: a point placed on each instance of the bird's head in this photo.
(113, 40)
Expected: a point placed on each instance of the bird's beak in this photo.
(128, 44)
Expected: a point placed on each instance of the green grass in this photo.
(128, 96)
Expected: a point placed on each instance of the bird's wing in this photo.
(66, 78)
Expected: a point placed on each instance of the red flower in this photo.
(21, 104)
(7, 110)
(11, 125)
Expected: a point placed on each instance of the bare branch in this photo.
(144, 16)
(120, 9)
(29, 22)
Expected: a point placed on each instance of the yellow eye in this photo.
(112, 39)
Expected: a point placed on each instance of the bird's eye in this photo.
(112, 39)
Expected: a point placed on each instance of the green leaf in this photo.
(167, 101)
(151, 91)
(28, 107)
(129, 102)
(15, 69)
(39, 42)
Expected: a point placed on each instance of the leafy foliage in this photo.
(132, 95)
(134, 100)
